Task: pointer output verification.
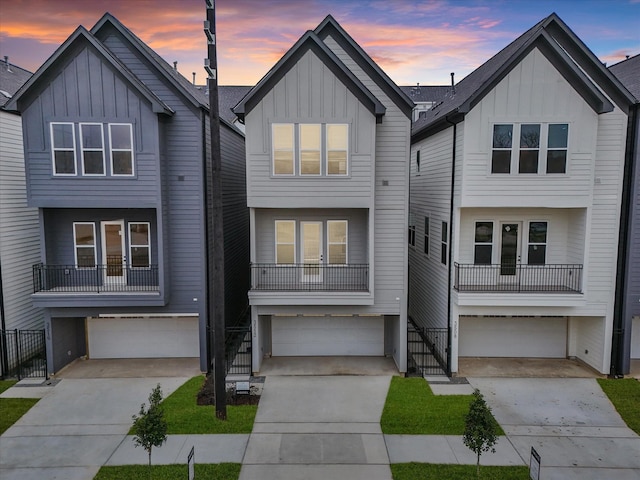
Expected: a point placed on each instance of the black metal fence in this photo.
(310, 277)
(427, 349)
(238, 344)
(98, 278)
(23, 353)
(518, 278)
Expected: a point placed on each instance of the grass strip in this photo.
(624, 393)
(12, 409)
(7, 384)
(220, 471)
(411, 408)
(429, 471)
(185, 416)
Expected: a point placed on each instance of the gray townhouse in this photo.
(114, 145)
(625, 356)
(327, 188)
(516, 185)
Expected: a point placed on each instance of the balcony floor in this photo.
(515, 289)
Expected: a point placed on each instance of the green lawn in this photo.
(11, 409)
(412, 409)
(428, 471)
(222, 471)
(185, 416)
(625, 395)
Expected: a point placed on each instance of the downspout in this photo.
(205, 187)
(450, 254)
(619, 366)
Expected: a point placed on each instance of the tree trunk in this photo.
(149, 463)
(478, 465)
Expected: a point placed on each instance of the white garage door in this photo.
(635, 337)
(159, 337)
(324, 336)
(544, 337)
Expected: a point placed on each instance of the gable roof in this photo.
(309, 42)
(628, 72)
(190, 91)
(560, 46)
(12, 78)
(426, 93)
(330, 27)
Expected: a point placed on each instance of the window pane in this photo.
(338, 254)
(443, 254)
(538, 232)
(337, 137)
(62, 135)
(139, 233)
(528, 161)
(501, 161)
(337, 232)
(337, 164)
(558, 135)
(284, 253)
(86, 256)
(93, 163)
(426, 225)
(65, 162)
(502, 136)
(537, 254)
(91, 136)
(309, 163)
(283, 136)
(484, 232)
(84, 234)
(556, 161)
(140, 257)
(482, 255)
(445, 233)
(426, 245)
(120, 136)
(122, 164)
(285, 232)
(309, 137)
(530, 136)
(283, 163)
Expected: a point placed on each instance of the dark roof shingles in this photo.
(12, 78)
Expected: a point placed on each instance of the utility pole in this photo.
(215, 231)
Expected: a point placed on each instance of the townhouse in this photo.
(516, 184)
(327, 187)
(114, 142)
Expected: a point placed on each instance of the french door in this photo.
(510, 240)
(113, 252)
(311, 233)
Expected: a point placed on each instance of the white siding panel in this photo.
(589, 340)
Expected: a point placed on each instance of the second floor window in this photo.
(63, 148)
(426, 235)
(412, 231)
(483, 243)
(285, 241)
(84, 241)
(444, 245)
(92, 147)
(139, 245)
(537, 253)
(337, 242)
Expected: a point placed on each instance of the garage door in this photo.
(635, 337)
(159, 337)
(543, 337)
(323, 336)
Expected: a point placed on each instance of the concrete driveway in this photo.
(571, 424)
(75, 428)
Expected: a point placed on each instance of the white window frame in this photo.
(132, 245)
(545, 157)
(491, 244)
(426, 248)
(300, 150)
(131, 150)
(276, 243)
(54, 150)
(444, 243)
(101, 150)
(529, 243)
(411, 233)
(293, 150)
(76, 246)
(345, 243)
(346, 150)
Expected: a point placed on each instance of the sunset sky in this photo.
(413, 41)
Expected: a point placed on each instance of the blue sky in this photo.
(413, 41)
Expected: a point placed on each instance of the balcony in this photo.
(99, 279)
(307, 277)
(509, 278)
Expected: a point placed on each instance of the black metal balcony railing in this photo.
(99, 279)
(518, 278)
(310, 277)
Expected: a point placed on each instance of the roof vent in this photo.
(453, 83)
(175, 65)
(6, 61)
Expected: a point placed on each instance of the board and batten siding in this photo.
(533, 92)
(310, 93)
(430, 197)
(392, 164)
(19, 231)
(87, 89)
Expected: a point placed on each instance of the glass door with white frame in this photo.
(509, 250)
(113, 249)
(311, 233)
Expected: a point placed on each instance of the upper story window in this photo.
(285, 241)
(63, 150)
(310, 149)
(483, 243)
(92, 148)
(412, 230)
(337, 242)
(444, 244)
(537, 253)
(84, 242)
(139, 245)
(90, 142)
(121, 140)
(418, 161)
(426, 235)
(541, 147)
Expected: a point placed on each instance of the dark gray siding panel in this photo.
(67, 341)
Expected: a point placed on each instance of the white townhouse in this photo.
(516, 182)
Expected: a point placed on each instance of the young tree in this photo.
(480, 428)
(149, 426)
